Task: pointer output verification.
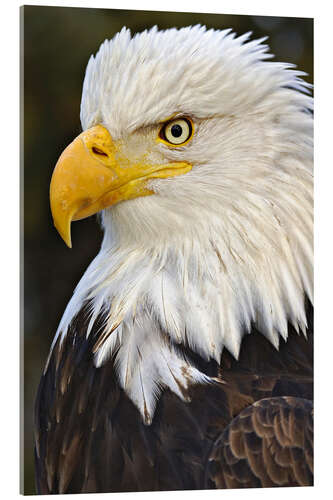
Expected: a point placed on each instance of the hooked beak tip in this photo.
(64, 231)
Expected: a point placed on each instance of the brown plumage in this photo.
(251, 428)
(268, 444)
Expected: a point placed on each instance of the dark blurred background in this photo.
(57, 43)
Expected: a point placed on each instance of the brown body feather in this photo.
(251, 428)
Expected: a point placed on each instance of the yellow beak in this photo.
(91, 175)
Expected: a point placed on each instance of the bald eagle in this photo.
(184, 357)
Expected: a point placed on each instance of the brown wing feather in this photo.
(89, 437)
(270, 443)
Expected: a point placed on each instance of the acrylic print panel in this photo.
(195, 150)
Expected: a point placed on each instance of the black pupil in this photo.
(176, 130)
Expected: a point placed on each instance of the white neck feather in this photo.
(203, 290)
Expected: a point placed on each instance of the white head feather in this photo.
(227, 244)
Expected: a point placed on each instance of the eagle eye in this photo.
(176, 132)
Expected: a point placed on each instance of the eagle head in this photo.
(197, 151)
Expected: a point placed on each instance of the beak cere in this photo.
(91, 174)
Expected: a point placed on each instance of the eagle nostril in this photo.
(98, 151)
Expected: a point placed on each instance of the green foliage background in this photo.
(56, 45)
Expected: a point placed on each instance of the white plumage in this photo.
(226, 245)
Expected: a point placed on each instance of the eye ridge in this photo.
(174, 129)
